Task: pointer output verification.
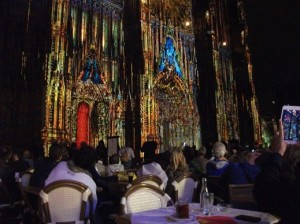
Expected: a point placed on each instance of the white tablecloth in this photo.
(165, 215)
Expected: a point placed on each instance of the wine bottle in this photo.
(203, 191)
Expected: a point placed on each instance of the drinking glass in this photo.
(208, 203)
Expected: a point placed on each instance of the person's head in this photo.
(219, 150)
(85, 157)
(57, 152)
(188, 152)
(177, 160)
(202, 151)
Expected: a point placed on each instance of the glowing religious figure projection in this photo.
(169, 59)
(91, 69)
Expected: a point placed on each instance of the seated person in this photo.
(218, 165)
(149, 149)
(102, 153)
(105, 197)
(198, 165)
(114, 165)
(127, 156)
(176, 168)
(44, 166)
(243, 172)
(235, 151)
(18, 163)
(76, 170)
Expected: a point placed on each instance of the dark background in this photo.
(274, 40)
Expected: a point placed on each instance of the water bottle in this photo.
(203, 191)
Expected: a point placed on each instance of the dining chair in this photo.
(66, 201)
(23, 181)
(148, 179)
(241, 196)
(185, 188)
(142, 197)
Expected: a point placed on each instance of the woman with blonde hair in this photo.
(176, 168)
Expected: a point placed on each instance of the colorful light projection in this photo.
(169, 58)
(91, 70)
(167, 90)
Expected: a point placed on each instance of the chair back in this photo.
(23, 180)
(241, 196)
(148, 179)
(143, 197)
(66, 201)
(185, 187)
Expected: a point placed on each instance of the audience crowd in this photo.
(274, 172)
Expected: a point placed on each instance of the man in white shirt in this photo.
(114, 165)
(155, 169)
(76, 171)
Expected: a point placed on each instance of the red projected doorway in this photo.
(82, 124)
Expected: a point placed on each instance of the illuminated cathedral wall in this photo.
(87, 94)
(83, 68)
(169, 109)
(84, 74)
(235, 98)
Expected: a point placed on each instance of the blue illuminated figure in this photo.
(91, 69)
(169, 58)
